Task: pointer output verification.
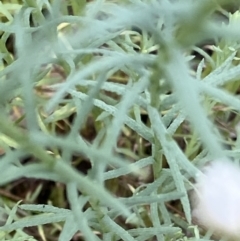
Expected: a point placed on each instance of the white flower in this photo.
(217, 198)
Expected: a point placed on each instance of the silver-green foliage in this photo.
(163, 85)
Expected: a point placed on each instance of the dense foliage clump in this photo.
(108, 110)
